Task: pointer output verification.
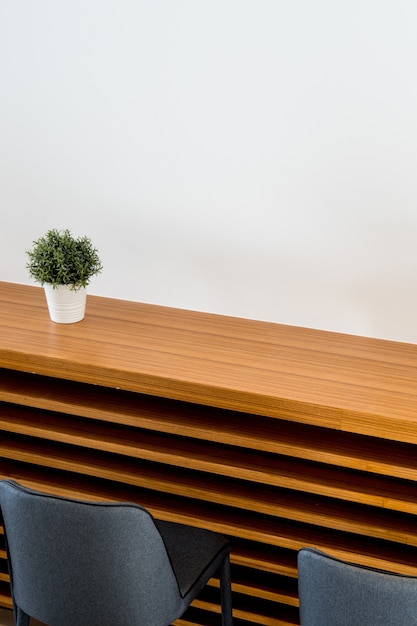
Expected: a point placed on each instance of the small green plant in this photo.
(58, 258)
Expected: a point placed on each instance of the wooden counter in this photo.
(278, 436)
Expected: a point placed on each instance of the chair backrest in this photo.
(75, 562)
(336, 593)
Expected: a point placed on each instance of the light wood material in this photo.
(278, 436)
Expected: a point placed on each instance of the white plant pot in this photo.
(65, 305)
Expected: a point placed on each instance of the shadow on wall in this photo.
(364, 287)
(350, 280)
(387, 288)
(391, 307)
(265, 287)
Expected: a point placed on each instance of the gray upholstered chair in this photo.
(336, 593)
(76, 563)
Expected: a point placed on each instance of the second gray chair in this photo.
(76, 563)
(336, 593)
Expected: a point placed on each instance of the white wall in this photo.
(248, 157)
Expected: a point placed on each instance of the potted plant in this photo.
(64, 265)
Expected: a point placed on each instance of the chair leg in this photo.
(20, 617)
(226, 592)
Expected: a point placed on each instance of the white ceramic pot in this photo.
(65, 305)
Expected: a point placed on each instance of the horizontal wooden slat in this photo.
(5, 599)
(258, 584)
(246, 615)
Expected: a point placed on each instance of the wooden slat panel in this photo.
(223, 460)
(270, 531)
(278, 503)
(276, 436)
(200, 422)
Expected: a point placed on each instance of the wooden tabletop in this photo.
(350, 383)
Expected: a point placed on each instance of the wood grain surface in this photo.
(278, 436)
(348, 383)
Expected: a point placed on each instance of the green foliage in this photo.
(58, 258)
